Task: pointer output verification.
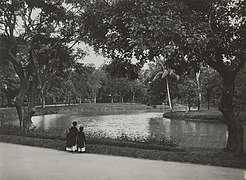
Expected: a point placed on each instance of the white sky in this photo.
(92, 57)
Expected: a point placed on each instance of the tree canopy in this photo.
(35, 35)
(188, 33)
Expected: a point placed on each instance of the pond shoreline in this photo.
(84, 107)
(202, 115)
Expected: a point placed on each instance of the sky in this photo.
(98, 60)
(92, 57)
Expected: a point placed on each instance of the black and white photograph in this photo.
(123, 89)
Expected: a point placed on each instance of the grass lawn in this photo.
(203, 115)
(214, 115)
(84, 107)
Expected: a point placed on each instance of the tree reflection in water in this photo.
(141, 124)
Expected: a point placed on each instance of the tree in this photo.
(136, 86)
(123, 68)
(187, 88)
(95, 83)
(68, 90)
(80, 78)
(240, 92)
(156, 90)
(54, 59)
(56, 92)
(122, 87)
(211, 84)
(192, 85)
(164, 72)
(210, 32)
(199, 93)
(9, 82)
(111, 87)
(218, 39)
(23, 44)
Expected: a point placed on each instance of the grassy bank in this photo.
(204, 115)
(216, 157)
(10, 113)
(122, 146)
(149, 142)
(92, 107)
(213, 115)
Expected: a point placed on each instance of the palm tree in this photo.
(164, 72)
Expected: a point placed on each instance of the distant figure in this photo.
(81, 140)
(72, 138)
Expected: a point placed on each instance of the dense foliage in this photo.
(188, 34)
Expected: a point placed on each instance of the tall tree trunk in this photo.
(8, 101)
(43, 102)
(199, 101)
(69, 100)
(32, 99)
(235, 129)
(188, 104)
(25, 114)
(208, 99)
(199, 98)
(2, 100)
(19, 103)
(133, 97)
(95, 99)
(122, 99)
(169, 96)
(43, 97)
(54, 100)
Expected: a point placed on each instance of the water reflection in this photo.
(188, 133)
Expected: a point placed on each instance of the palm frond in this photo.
(165, 73)
(173, 74)
(157, 76)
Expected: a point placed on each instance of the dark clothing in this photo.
(81, 139)
(72, 136)
(69, 143)
(74, 133)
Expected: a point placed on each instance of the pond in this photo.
(140, 124)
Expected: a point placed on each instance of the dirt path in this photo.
(18, 162)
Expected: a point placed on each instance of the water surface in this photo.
(140, 124)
